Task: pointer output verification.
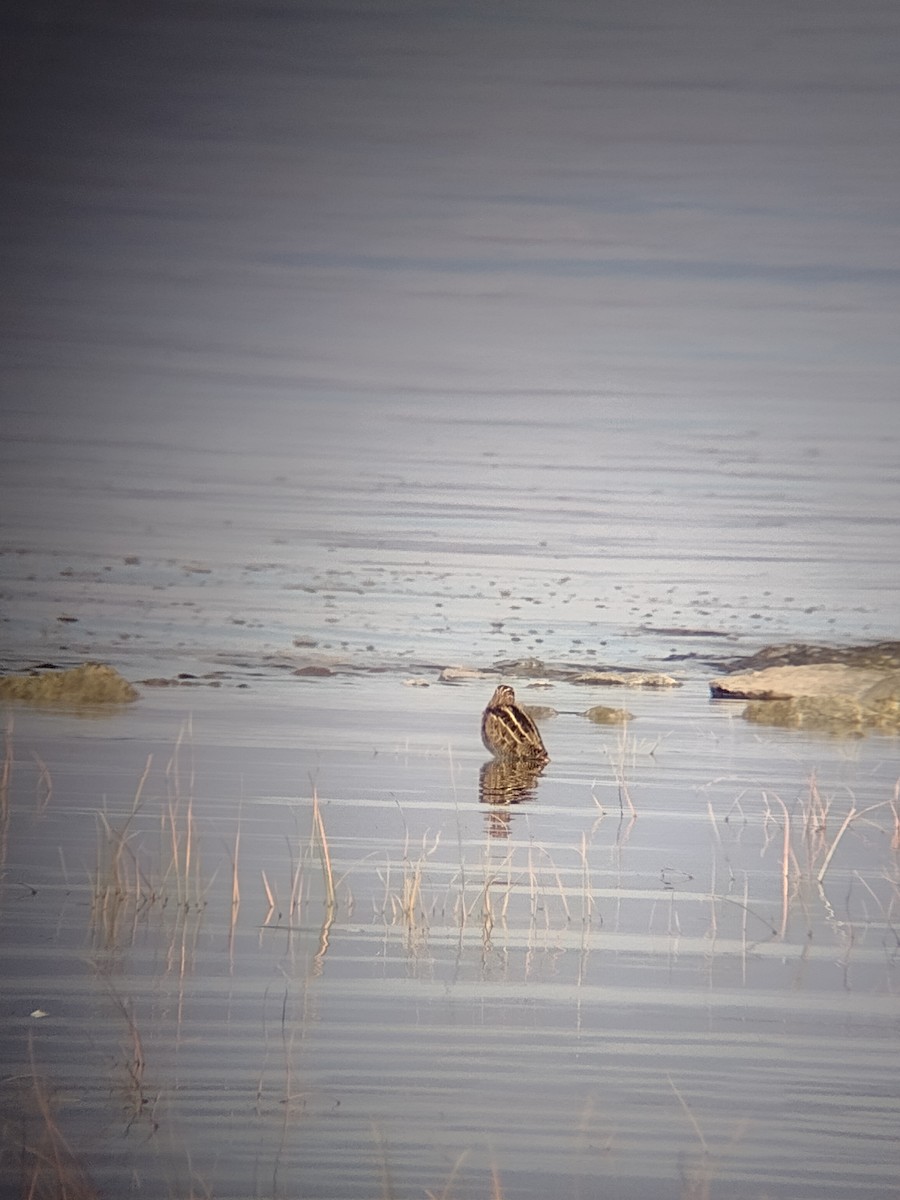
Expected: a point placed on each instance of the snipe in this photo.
(508, 731)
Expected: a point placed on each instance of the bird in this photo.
(508, 731)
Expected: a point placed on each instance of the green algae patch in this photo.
(88, 685)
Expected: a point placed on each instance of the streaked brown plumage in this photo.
(508, 731)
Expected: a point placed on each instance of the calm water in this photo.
(386, 339)
(557, 992)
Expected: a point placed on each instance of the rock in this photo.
(828, 714)
(831, 697)
(601, 715)
(883, 716)
(540, 712)
(453, 674)
(885, 656)
(528, 668)
(88, 685)
(886, 689)
(786, 683)
(650, 679)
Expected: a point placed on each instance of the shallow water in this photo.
(564, 992)
(445, 542)
(376, 342)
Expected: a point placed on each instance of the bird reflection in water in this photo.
(504, 782)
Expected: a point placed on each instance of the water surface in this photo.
(380, 340)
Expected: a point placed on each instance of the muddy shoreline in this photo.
(846, 691)
(879, 656)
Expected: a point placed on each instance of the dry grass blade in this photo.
(412, 891)
(387, 1188)
(270, 897)
(409, 903)
(119, 880)
(44, 785)
(623, 747)
(853, 815)
(587, 888)
(181, 833)
(787, 858)
(6, 770)
(496, 1186)
(561, 889)
(296, 878)
(138, 1101)
(321, 844)
(180, 837)
(235, 885)
(695, 1125)
(5, 778)
(49, 1168)
(446, 1193)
